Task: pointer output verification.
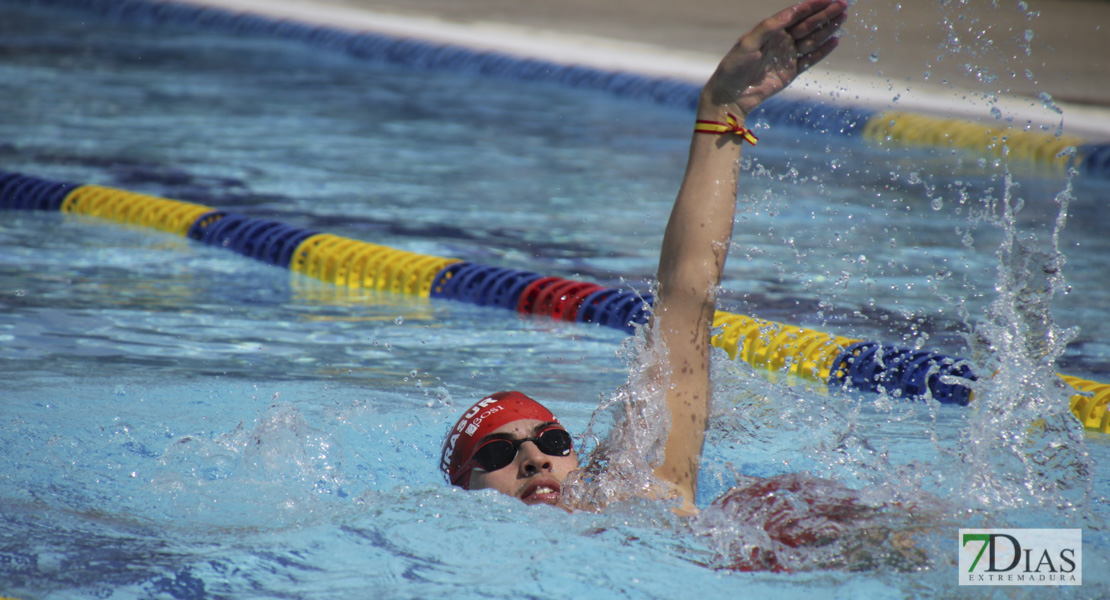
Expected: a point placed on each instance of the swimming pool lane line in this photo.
(835, 361)
(1056, 153)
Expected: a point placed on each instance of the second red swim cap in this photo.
(485, 416)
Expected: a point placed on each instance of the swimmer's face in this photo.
(532, 476)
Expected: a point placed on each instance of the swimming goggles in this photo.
(498, 453)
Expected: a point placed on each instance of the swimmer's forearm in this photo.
(691, 264)
(695, 242)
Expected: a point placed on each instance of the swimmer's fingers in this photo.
(800, 20)
(808, 60)
(817, 38)
(813, 18)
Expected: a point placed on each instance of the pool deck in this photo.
(921, 57)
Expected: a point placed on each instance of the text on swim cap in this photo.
(466, 425)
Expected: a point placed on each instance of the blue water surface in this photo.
(183, 422)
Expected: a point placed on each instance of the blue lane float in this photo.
(913, 374)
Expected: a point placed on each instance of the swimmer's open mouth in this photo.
(541, 491)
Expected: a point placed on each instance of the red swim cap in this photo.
(485, 416)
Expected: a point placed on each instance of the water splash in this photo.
(1023, 447)
(797, 522)
(622, 465)
(776, 521)
(815, 491)
(288, 463)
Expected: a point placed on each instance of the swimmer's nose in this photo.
(532, 459)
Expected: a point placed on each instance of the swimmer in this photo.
(513, 444)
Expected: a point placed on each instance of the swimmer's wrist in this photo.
(728, 125)
(713, 102)
(724, 120)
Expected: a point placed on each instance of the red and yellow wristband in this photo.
(730, 125)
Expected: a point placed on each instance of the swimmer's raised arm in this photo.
(696, 241)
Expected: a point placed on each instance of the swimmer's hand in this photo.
(769, 57)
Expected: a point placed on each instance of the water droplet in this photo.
(1049, 103)
(1028, 35)
(399, 320)
(874, 57)
(997, 114)
(937, 203)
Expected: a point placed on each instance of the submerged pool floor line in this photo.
(836, 361)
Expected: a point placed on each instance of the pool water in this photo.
(183, 422)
